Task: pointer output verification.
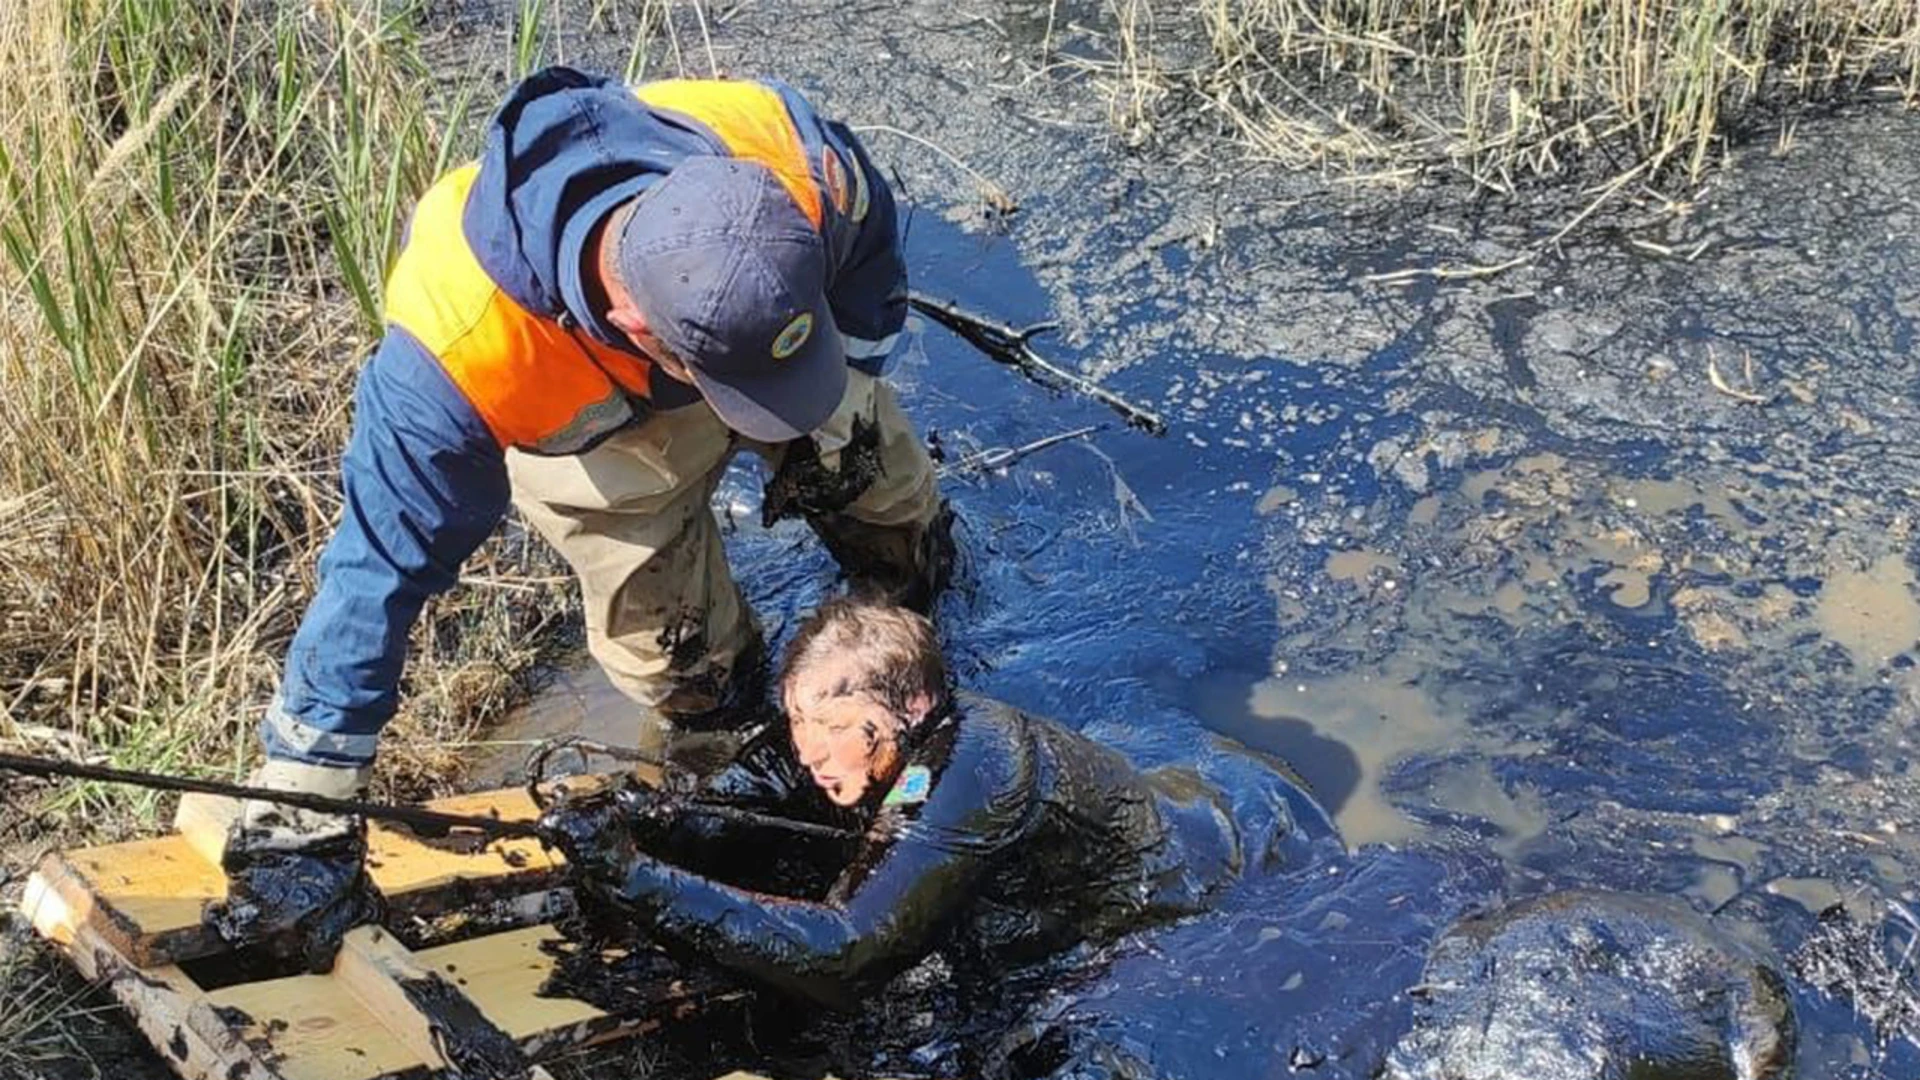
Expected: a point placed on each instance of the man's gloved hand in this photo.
(823, 473)
(812, 484)
(296, 880)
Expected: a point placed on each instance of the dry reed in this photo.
(198, 203)
(1502, 90)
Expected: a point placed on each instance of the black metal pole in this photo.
(421, 820)
(429, 822)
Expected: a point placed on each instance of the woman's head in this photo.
(858, 676)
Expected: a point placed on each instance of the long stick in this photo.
(1001, 458)
(1011, 346)
(421, 820)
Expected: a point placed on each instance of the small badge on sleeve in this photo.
(793, 336)
(912, 787)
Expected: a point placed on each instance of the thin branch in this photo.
(996, 196)
(999, 458)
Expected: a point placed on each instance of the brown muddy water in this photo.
(1525, 600)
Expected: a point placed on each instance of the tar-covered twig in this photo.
(1013, 347)
(996, 197)
(1001, 457)
(1870, 966)
(420, 819)
(667, 803)
(1720, 382)
(538, 768)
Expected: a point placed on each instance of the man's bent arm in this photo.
(425, 483)
(869, 290)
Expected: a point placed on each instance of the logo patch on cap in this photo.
(795, 335)
(835, 178)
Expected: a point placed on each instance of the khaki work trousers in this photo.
(633, 516)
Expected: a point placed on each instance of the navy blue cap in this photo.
(730, 275)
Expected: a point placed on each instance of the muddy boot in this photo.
(906, 565)
(710, 717)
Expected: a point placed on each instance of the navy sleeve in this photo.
(425, 483)
(869, 290)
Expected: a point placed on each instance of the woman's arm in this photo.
(829, 952)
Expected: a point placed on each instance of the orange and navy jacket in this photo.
(493, 342)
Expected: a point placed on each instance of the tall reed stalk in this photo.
(198, 203)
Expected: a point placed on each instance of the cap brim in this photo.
(793, 399)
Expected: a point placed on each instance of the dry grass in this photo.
(1502, 90)
(38, 1006)
(198, 203)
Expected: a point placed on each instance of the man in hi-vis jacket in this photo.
(630, 284)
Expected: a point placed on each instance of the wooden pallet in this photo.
(129, 916)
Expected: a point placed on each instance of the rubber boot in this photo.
(907, 565)
(710, 717)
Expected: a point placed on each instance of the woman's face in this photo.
(845, 737)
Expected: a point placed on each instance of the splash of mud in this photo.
(1868, 965)
(1872, 612)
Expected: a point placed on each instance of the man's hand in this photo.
(296, 883)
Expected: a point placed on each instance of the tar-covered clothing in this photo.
(1005, 838)
(664, 616)
(495, 348)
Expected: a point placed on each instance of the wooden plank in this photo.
(146, 897)
(163, 1002)
(316, 1030)
(424, 1009)
(410, 871)
(143, 898)
(423, 877)
(319, 1029)
(355, 1024)
(316, 1027)
(503, 974)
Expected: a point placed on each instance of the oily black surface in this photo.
(473, 1046)
(1528, 601)
(1595, 986)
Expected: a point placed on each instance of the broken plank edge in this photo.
(163, 1003)
(84, 900)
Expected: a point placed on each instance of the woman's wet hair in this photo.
(900, 651)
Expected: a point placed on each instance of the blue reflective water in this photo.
(1134, 587)
(1477, 649)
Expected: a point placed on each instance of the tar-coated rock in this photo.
(1592, 986)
